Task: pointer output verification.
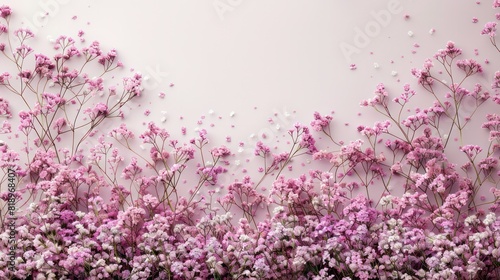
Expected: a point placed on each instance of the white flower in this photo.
(39, 263)
(43, 228)
(115, 230)
(299, 262)
(446, 259)
(178, 228)
(278, 210)
(211, 260)
(392, 222)
(293, 218)
(106, 246)
(100, 262)
(244, 238)
(397, 246)
(393, 238)
(81, 229)
(458, 250)
(489, 219)
(32, 206)
(495, 253)
(110, 268)
(406, 277)
(477, 237)
(386, 200)
(79, 214)
(471, 220)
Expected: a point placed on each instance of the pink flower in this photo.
(150, 200)
(488, 164)
(156, 155)
(52, 101)
(416, 121)
(185, 152)
(496, 80)
(5, 11)
(211, 173)
(378, 129)
(95, 85)
(489, 29)
(469, 66)
(133, 85)
(320, 122)
(424, 77)
(307, 141)
(131, 217)
(451, 52)
(93, 50)
(99, 110)
(221, 151)
(23, 33)
(132, 170)
(3, 29)
(107, 59)
(280, 158)
(154, 132)
(59, 124)
(261, 149)
(25, 75)
(471, 150)
(322, 155)
(405, 96)
(5, 108)
(6, 127)
(43, 65)
(26, 121)
(122, 132)
(71, 51)
(379, 99)
(4, 78)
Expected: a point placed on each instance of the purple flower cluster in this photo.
(413, 198)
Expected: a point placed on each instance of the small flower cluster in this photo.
(414, 198)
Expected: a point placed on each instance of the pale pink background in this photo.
(280, 56)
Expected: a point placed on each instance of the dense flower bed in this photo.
(108, 211)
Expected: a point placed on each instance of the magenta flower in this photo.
(320, 122)
(489, 29)
(5, 11)
(221, 151)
